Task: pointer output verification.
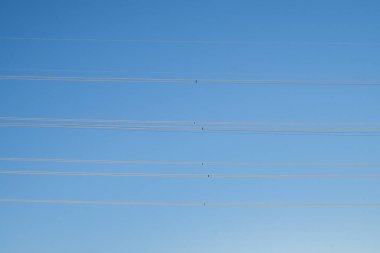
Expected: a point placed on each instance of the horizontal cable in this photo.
(186, 80)
(210, 129)
(119, 71)
(231, 204)
(205, 163)
(81, 120)
(188, 122)
(166, 41)
(98, 79)
(171, 175)
(115, 127)
(88, 71)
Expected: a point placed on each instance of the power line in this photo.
(114, 127)
(167, 41)
(214, 204)
(78, 120)
(187, 122)
(187, 81)
(99, 79)
(88, 71)
(195, 163)
(178, 175)
(209, 129)
(130, 72)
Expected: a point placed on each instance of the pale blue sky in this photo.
(319, 40)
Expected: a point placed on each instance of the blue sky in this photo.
(295, 40)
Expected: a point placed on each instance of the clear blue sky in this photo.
(306, 40)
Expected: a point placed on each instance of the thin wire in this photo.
(97, 79)
(202, 129)
(215, 204)
(100, 120)
(171, 175)
(98, 161)
(206, 163)
(186, 80)
(188, 122)
(109, 127)
(241, 42)
(85, 71)
(4, 69)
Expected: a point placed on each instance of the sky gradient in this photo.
(266, 40)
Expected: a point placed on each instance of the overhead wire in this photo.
(184, 81)
(181, 175)
(130, 72)
(243, 130)
(195, 163)
(187, 122)
(87, 120)
(199, 204)
(174, 41)
(292, 128)
(86, 71)
(169, 128)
